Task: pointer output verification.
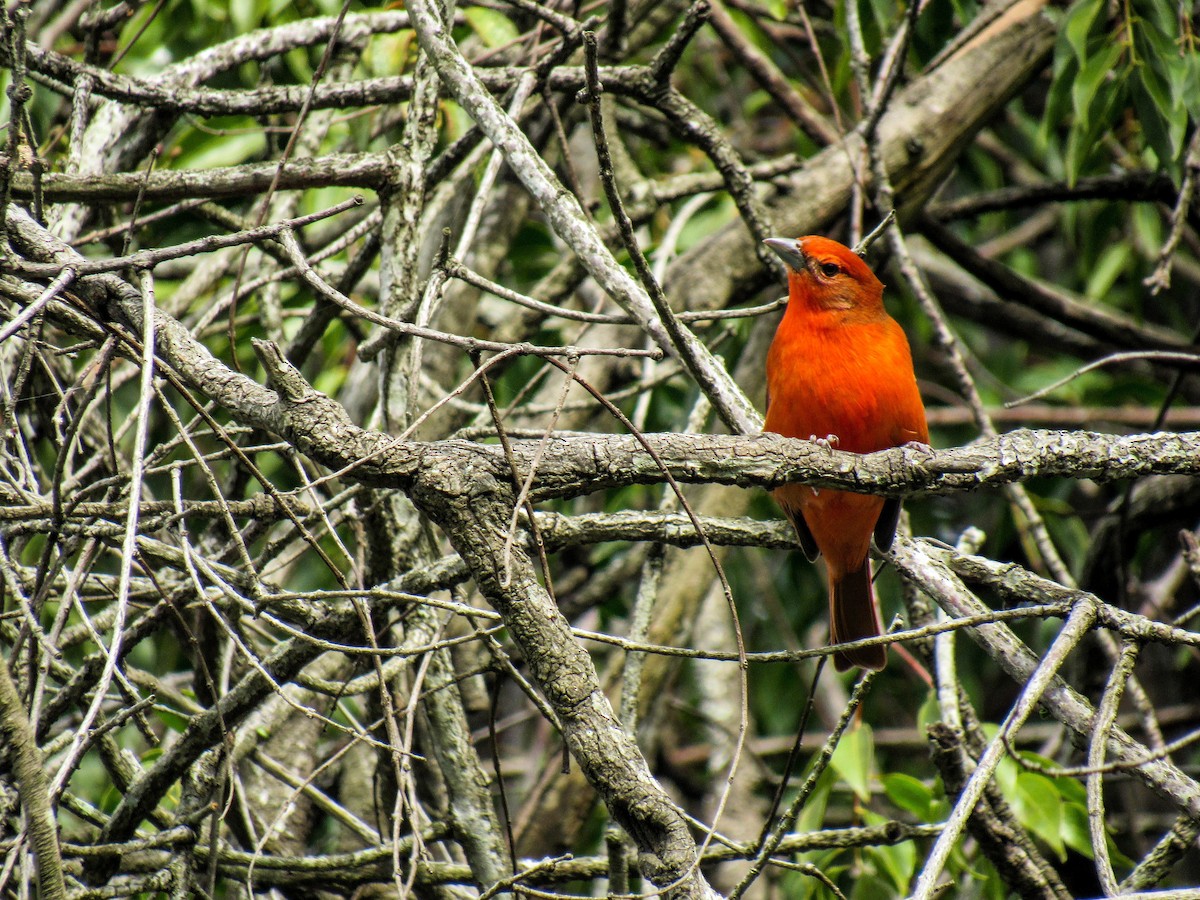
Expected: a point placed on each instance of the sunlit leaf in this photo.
(1041, 809)
(1113, 261)
(1078, 25)
(494, 28)
(909, 794)
(854, 760)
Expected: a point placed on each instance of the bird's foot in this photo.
(828, 443)
(920, 447)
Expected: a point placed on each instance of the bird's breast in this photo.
(854, 381)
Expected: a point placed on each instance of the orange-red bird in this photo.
(840, 369)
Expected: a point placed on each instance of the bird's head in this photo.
(827, 275)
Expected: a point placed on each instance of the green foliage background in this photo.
(1107, 132)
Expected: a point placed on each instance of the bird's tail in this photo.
(853, 617)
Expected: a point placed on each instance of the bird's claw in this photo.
(920, 447)
(828, 443)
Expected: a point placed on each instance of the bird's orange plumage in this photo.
(840, 366)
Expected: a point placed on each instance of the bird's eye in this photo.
(830, 269)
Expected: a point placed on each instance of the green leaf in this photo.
(299, 64)
(854, 760)
(1084, 144)
(231, 150)
(493, 28)
(715, 213)
(1041, 809)
(910, 794)
(778, 9)
(1147, 225)
(1007, 769)
(1157, 91)
(1113, 261)
(1059, 96)
(1078, 26)
(1153, 79)
(1075, 829)
(1189, 89)
(1077, 836)
(457, 120)
(1181, 72)
(1152, 44)
(173, 720)
(813, 813)
(1154, 12)
(899, 861)
(868, 886)
(1094, 74)
(248, 16)
(929, 712)
(1156, 130)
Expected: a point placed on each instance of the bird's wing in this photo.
(885, 525)
(807, 542)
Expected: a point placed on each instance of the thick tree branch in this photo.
(321, 428)
(32, 786)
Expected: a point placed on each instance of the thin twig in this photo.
(1160, 279)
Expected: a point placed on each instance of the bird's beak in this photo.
(789, 251)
